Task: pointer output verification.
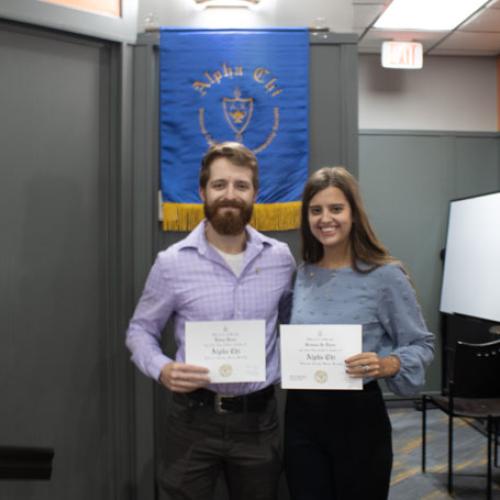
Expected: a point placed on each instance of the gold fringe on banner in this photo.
(266, 216)
(276, 216)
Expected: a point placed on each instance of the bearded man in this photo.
(223, 270)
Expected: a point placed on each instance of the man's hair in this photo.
(236, 153)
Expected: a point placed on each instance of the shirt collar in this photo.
(197, 239)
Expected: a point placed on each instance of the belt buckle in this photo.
(218, 404)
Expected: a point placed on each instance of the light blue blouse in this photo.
(383, 301)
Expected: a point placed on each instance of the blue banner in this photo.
(250, 86)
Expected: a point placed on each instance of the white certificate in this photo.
(233, 351)
(313, 356)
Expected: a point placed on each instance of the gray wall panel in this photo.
(333, 103)
(477, 166)
(145, 229)
(325, 106)
(408, 180)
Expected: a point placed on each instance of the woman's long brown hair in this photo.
(366, 248)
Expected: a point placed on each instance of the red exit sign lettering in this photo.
(402, 55)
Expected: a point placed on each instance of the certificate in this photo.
(312, 356)
(233, 351)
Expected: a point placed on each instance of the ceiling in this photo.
(477, 36)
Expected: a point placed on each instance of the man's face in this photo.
(228, 197)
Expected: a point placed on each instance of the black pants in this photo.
(338, 445)
(201, 445)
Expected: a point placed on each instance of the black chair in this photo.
(473, 392)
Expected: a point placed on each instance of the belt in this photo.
(255, 401)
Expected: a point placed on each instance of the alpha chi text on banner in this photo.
(249, 86)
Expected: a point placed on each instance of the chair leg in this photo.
(488, 485)
(424, 424)
(495, 430)
(450, 453)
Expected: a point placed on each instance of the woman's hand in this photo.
(370, 364)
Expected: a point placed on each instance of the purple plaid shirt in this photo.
(190, 281)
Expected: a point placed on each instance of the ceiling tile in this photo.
(488, 20)
(371, 2)
(471, 42)
(409, 36)
(364, 15)
(374, 38)
(359, 31)
(480, 36)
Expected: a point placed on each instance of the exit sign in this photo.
(402, 55)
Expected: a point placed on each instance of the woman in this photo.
(338, 443)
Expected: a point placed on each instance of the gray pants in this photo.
(201, 445)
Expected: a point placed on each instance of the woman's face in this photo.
(330, 218)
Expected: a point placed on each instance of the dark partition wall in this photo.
(333, 141)
(62, 362)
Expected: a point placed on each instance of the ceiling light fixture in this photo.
(427, 15)
(227, 3)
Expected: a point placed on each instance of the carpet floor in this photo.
(408, 482)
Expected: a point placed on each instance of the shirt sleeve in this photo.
(150, 317)
(413, 344)
(285, 304)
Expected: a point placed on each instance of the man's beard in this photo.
(229, 223)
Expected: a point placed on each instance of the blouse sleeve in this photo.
(401, 317)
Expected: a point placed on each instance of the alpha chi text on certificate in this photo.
(313, 356)
(233, 351)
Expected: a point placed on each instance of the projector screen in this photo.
(471, 281)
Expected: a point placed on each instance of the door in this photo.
(56, 338)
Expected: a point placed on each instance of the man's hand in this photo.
(180, 377)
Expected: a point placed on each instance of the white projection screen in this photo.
(471, 281)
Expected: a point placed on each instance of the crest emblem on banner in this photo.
(257, 99)
(238, 112)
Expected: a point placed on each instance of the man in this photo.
(223, 270)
